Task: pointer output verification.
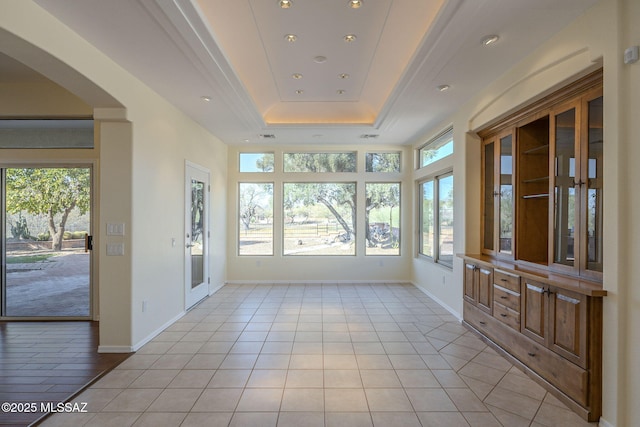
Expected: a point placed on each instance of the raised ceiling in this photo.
(234, 53)
(319, 62)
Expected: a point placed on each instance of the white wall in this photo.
(143, 144)
(307, 269)
(595, 39)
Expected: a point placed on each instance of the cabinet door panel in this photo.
(485, 285)
(568, 319)
(470, 272)
(535, 311)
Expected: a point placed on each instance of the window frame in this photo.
(435, 244)
(397, 152)
(354, 153)
(284, 217)
(241, 153)
(239, 222)
(400, 225)
(443, 138)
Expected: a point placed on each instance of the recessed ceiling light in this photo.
(350, 38)
(489, 40)
(291, 38)
(343, 76)
(443, 88)
(355, 4)
(320, 59)
(299, 91)
(286, 4)
(206, 98)
(341, 91)
(296, 76)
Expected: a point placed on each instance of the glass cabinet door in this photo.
(497, 196)
(489, 197)
(564, 226)
(593, 185)
(505, 236)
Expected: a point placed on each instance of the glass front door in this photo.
(196, 235)
(46, 239)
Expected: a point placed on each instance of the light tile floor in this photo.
(317, 355)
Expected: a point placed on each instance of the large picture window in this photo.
(319, 218)
(255, 234)
(382, 216)
(436, 219)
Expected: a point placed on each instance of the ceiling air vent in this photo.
(369, 136)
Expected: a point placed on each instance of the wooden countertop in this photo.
(570, 283)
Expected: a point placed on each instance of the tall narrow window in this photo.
(382, 216)
(427, 223)
(255, 234)
(436, 219)
(445, 220)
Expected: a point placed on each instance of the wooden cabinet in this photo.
(542, 182)
(497, 193)
(535, 289)
(549, 324)
(506, 299)
(577, 153)
(478, 285)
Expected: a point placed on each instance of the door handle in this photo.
(190, 245)
(88, 243)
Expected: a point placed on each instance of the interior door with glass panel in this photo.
(196, 234)
(46, 242)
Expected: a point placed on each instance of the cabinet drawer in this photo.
(506, 280)
(477, 318)
(507, 316)
(506, 297)
(568, 377)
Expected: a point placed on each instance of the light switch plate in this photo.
(115, 249)
(115, 229)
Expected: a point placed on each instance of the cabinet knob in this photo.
(503, 297)
(531, 354)
(483, 323)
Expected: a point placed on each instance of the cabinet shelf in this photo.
(535, 196)
(542, 149)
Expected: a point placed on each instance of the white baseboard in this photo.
(215, 289)
(153, 334)
(314, 282)
(605, 423)
(439, 301)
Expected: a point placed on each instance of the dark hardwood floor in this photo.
(44, 362)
